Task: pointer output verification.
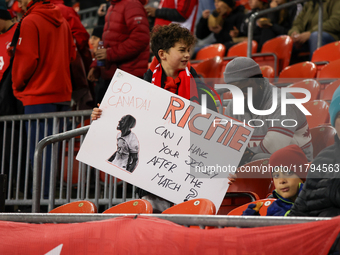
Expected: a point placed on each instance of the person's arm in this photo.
(169, 14)
(139, 37)
(331, 25)
(133, 158)
(78, 30)
(299, 20)
(96, 113)
(26, 55)
(180, 14)
(202, 30)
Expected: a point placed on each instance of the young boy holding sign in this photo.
(171, 70)
(289, 165)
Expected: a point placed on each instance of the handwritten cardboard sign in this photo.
(162, 143)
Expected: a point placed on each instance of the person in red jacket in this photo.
(183, 12)
(126, 40)
(79, 32)
(83, 90)
(44, 49)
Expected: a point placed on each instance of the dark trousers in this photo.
(43, 108)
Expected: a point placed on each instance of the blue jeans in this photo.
(43, 108)
(313, 41)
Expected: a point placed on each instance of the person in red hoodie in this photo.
(126, 40)
(83, 90)
(44, 49)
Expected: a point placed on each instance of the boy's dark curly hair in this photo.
(165, 37)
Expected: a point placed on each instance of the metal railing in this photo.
(105, 191)
(69, 180)
(182, 219)
(89, 17)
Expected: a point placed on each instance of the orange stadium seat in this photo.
(213, 50)
(322, 137)
(319, 111)
(255, 184)
(237, 50)
(279, 48)
(268, 72)
(312, 85)
(209, 68)
(194, 206)
(326, 54)
(76, 207)
(263, 210)
(240, 49)
(328, 92)
(133, 206)
(331, 70)
(248, 187)
(298, 72)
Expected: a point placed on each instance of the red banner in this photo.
(145, 235)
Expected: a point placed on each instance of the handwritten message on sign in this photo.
(162, 143)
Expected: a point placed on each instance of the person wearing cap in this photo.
(96, 37)
(304, 31)
(268, 136)
(320, 196)
(288, 171)
(232, 17)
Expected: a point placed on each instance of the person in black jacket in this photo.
(320, 195)
(256, 6)
(276, 23)
(232, 17)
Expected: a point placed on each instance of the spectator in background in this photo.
(180, 11)
(95, 38)
(41, 67)
(304, 31)
(256, 6)
(126, 40)
(227, 17)
(276, 23)
(102, 9)
(320, 196)
(205, 5)
(268, 136)
(83, 91)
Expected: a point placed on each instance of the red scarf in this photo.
(181, 84)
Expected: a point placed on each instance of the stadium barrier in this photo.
(69, 180)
